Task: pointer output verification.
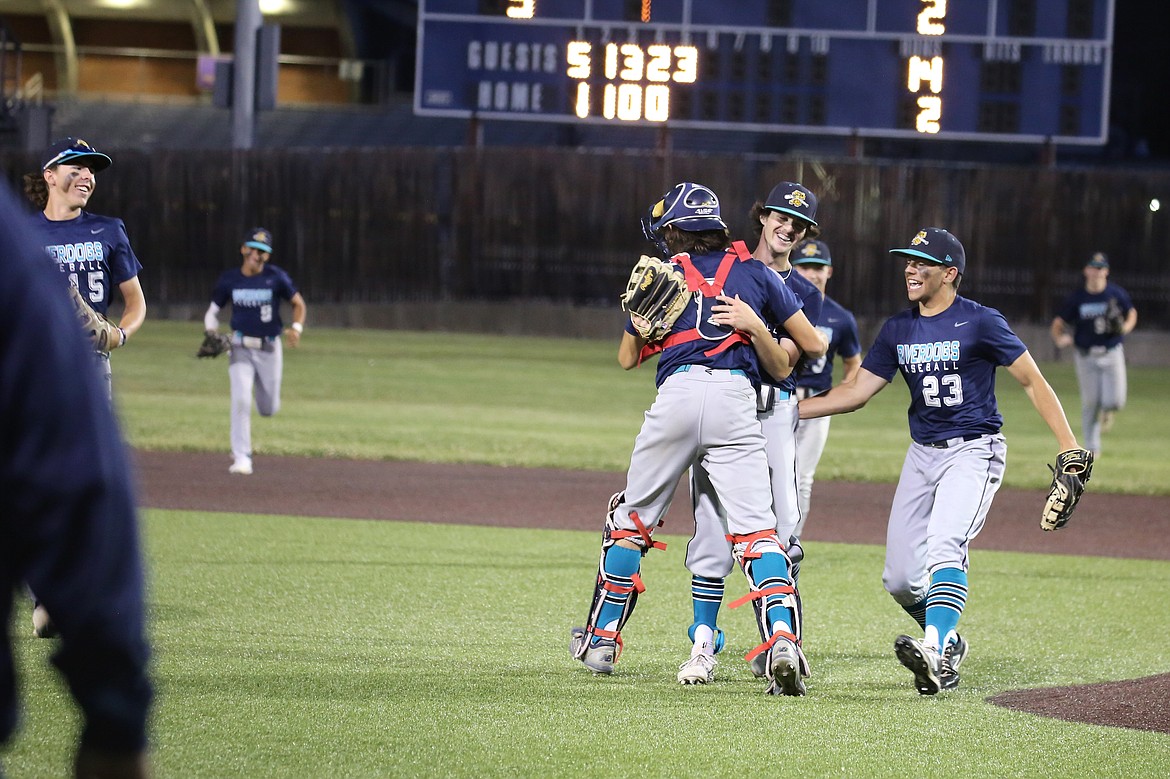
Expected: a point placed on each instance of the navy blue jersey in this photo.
(93, 250)
(757, 285)
(948, 362)
(255, 299)
(1087, 313)
(813, 300)
(68, 520)
(840, 327)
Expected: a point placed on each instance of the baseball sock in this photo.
(944, 604)
(917, 612)
(706, 596)
(620, 566)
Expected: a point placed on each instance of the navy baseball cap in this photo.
(75, 151)
(259, 238)
(795, 199)
(811, 252)
(1098, 260)
(936, 245)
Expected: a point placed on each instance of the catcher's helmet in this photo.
(690, 207)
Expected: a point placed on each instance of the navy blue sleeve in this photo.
(882, 358)
(68, 516)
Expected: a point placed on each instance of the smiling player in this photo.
(947, 349)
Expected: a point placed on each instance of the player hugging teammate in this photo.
(704, 416)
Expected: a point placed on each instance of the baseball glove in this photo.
(101, 332)
(214, 344)
(1072, 472)
(656, 294)
(1114, 319)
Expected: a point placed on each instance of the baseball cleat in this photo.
(242, 466)
(698, 669)
(43, 626)
(759, 665)
(957, 650)
(923, 661)
(784, 662)
(598, 657)
(948, 668)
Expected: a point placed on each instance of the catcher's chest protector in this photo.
(696, 283)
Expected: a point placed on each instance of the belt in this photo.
(1097, 351)
(949, 442)
(685, 368)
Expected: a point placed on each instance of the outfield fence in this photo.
(437, 225)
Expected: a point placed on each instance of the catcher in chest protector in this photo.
(256, 362)
(705, 412)
(947, 349)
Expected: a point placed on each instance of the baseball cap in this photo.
(1098, 260)
(687, 206)
(811, 252)
(936, 245)
(259, 238)
(794, 199)
(75, 151)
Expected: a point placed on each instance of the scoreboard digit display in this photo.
(1025, 71)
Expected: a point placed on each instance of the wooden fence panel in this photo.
(425, 224)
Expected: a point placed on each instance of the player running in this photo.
(93, 251)
(947, 349)
(1100, 314)
(256, 365)
(704, 413)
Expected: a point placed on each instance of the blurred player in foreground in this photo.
(256, 364)
(68, 518)
(947, 349)
(813, 261)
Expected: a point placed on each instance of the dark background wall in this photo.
(384, 225)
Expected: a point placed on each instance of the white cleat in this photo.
(242, 466)
(699, 669)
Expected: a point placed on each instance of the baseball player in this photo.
(704, 413)
(784, 219)
(1100, 314)
(68, 515)
(813, 261)
(256, 364)
(93, 251)
(947, 349)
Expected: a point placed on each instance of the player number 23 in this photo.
(943, 391)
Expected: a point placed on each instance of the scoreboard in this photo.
(1025, 71)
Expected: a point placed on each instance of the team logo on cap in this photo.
(920, 238)
(809, 250)
(797, 199)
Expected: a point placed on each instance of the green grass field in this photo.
(303, 647)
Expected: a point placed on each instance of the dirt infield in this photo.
(1105, 526)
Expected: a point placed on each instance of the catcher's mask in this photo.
(690, 207)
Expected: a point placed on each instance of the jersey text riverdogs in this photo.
(935, 356)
